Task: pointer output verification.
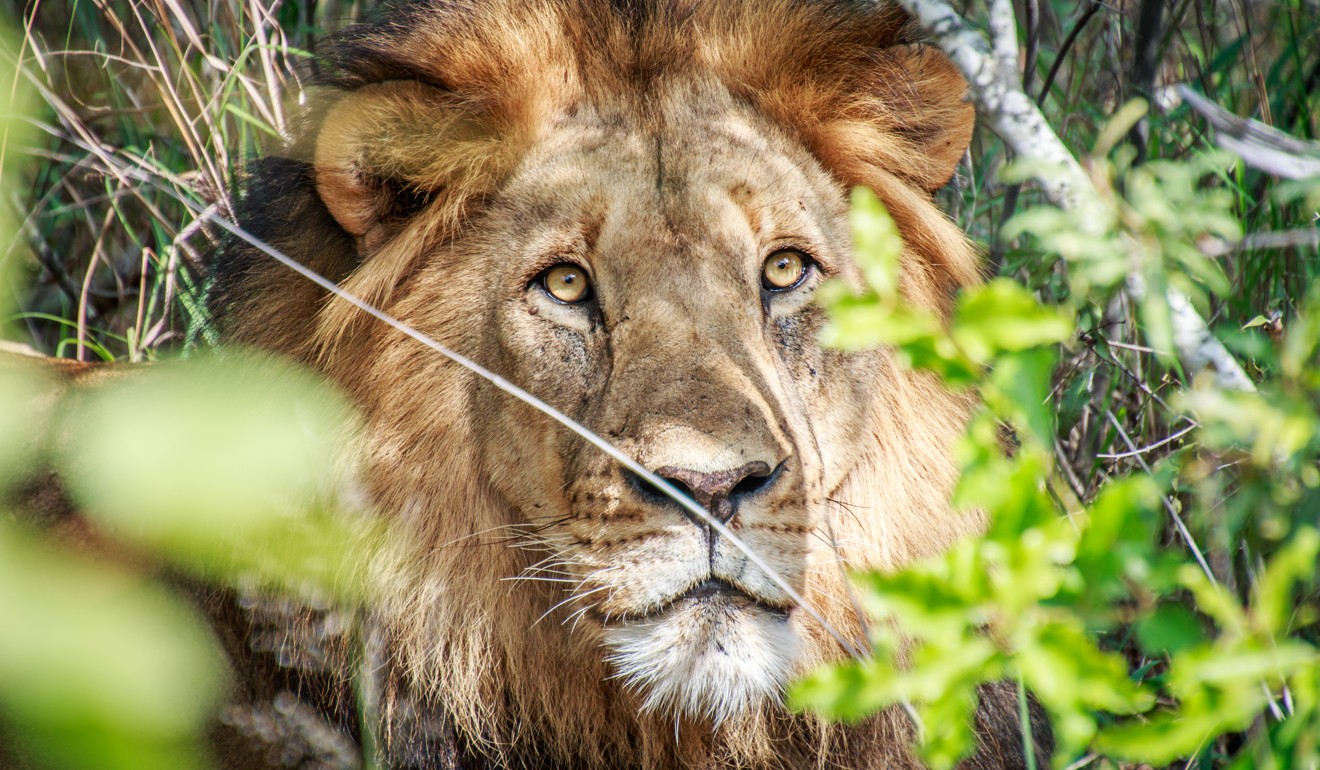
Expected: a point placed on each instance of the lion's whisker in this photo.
(572, 598)
(479, 533)
(835, 547)
(602, 571)
(848, 508)
(550, 564)
(577, 616)
(558, 570)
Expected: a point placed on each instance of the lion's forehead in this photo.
(710, 181)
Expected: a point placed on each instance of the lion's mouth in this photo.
(714, 591)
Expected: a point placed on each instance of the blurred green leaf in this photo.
(1022, 379)
(1295, 562)
(228, 465)
(1270, 427)
(877, 245)
(1170, 629)
(1003, 316)
(98, 669)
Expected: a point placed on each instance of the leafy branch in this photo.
(991, 70)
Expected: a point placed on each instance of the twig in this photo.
(1033, 44)
(1178, 522)
(1062, 55)
(1266, 241)
(991, 73)
(1149, 447)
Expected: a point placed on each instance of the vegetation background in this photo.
(1151, 573)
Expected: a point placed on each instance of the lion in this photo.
(623, 206)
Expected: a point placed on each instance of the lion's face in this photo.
(628, 217)
(692, 248)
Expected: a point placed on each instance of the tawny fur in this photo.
(456, 149)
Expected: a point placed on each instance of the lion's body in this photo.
(457, 151)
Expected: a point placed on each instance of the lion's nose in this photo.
(718, 492)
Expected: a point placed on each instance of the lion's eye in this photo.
(784, 270)
(567, 283)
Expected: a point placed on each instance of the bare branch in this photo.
(1259, 145)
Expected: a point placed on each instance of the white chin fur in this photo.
(712, 659)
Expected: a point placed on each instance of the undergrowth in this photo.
(1151, 571)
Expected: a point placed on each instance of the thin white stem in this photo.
(1149, 447)
(1168, 504)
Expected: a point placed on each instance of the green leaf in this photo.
(1294, 562)
(1214, 600)
(1118, 125)
(1170, 629)
(867, 324)
(1003, 316)
(1022, 378)
(1239, 667)
(1022, 503)
(99, 670)
(948, 737)
(1118, 541)
(845, 691)
(226, 465)
(1272, 425)
(1164, 738)
(877, 245)
(251, 120)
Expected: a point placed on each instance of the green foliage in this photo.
(1166, 210)
(100, 669)
(1230, 488)
(1041, 598)
(226, 468)
(267, 509)
(997, 318)
(221, 467)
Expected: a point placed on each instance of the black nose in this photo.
(718, 492)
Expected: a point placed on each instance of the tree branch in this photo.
(996, 89)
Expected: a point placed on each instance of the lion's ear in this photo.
(930, 101)
(386, 151)
(903, 111)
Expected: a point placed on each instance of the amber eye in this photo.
(567, 283)
(784, 270)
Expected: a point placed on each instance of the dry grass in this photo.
(152, 107)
